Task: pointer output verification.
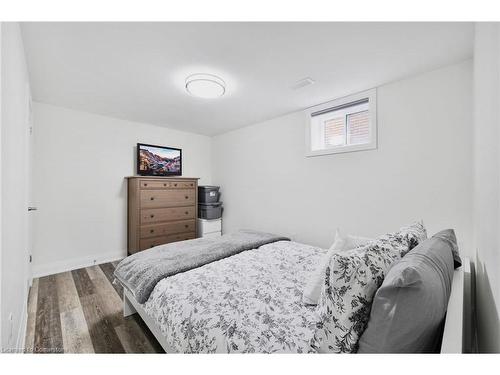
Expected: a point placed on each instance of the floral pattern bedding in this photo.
(248, 303)
(351, 280)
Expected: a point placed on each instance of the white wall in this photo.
(487, 183)
(422, 168)
(1, 181)
(81, 160)
(14, 271)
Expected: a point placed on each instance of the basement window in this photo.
(343, 125)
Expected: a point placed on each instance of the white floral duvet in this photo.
(248, 303)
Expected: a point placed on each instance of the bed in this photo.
(251, 302)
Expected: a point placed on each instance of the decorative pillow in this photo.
(312, 290)
(351, 242)
(406, 238)
(409, 308)
(351, 280)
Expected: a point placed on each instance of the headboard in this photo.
(458, 314)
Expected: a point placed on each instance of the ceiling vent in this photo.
(303, 83)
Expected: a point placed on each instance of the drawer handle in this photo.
(152, 198)
(186, 212)
(191, 184)
(152, 231)
(187, 226)
(152, 216)
(164, 184)
(145, 184)
(186, 197)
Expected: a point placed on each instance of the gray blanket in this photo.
(140, 272)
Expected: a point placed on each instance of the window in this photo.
(343, 125)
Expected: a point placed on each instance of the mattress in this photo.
(248, 303)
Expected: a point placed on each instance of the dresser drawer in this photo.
(155, 215)
(184, 185)
(174, 227)
(167, 198)
(163, 184)
(161, 240)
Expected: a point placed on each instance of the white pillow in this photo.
(352, 242)
(312, 290)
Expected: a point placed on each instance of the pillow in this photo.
(351, 280)
(406, 238)
(313, 287)
(351, 242)
(409, 308)
(449, 236)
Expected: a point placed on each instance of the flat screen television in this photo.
(158, 160)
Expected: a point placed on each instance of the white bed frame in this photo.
(453, 334)
(131, 306)
(454, 338)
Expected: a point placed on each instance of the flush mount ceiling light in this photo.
(205, 85)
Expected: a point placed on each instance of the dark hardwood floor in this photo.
(82, 312)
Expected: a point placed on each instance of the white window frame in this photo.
(371, 95)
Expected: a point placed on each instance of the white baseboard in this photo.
(40, 270)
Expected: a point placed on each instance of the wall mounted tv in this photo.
(158, 160)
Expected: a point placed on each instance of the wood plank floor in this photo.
(81, 311)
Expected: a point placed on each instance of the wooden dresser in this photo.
(161, 210)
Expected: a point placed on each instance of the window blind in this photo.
(358, 128)
(335, 132)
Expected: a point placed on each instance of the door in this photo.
(29, 180)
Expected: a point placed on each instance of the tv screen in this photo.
(158, 161)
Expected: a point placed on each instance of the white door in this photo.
(29, 179)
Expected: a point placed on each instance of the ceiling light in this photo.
(205, 85)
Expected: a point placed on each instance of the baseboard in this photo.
(23, 323)
(40, 270)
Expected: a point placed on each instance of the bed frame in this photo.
(458, 316)
(131, 306)
(455, 326)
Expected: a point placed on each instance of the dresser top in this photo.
(164, 177)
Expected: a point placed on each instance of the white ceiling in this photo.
(136, 71)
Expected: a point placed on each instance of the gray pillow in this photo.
(408, 309)
(449, 235)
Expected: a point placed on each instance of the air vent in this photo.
(303, 83)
